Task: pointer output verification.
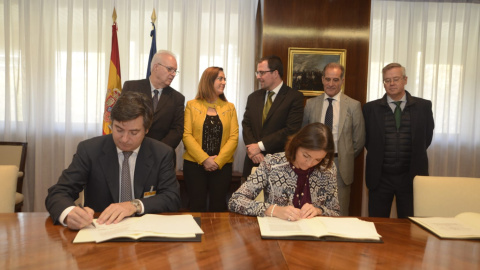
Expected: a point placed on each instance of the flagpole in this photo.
(153, 47)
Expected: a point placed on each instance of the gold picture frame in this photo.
(305, 66)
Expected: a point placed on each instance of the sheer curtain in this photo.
(55, 56)
(439, 44)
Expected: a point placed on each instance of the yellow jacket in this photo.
(195, 114)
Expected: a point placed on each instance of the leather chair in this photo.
(8, 185)
(435, 196)
(15, 153)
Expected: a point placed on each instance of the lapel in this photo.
(276, 103)
(258, 107)
(164, 99)
(110, 167)
(379, 114)
(143, 167)
(413, 112)
(145, 88)
(318, 109)
(343, 113)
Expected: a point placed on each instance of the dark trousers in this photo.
(380, 199)
(201, 185)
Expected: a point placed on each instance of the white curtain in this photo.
(439, 44)
(55, 56)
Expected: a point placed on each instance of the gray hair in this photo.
(157, 57)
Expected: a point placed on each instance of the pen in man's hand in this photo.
(81, 206)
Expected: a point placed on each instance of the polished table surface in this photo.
(231, 241)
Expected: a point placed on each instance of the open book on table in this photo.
(462, 226)
(145, 228)
(320, 229)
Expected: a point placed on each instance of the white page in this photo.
(182, 226)
(350, 227)
(174, 224)
(448, 227)
(470, 219)
(271, 226)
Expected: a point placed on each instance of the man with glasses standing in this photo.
(167, 103)
(399, 129)
(272, 114)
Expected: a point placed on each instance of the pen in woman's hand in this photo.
(81, 206)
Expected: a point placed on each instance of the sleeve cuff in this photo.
(64, 215)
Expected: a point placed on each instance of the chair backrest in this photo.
(8, 184)
(14, 153)
(435, 196)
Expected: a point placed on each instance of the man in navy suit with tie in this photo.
(168, 104)
(122, 174)
(272, 114)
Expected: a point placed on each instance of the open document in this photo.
(145, 228)
(320, 229)
(462, 226)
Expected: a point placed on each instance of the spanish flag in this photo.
(114, 87)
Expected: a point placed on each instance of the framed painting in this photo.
(305, 66)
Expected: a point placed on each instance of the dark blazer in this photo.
(96, 169)
(422, 126)
(284, 119)
(167, 125)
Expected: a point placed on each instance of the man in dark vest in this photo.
(399, 129)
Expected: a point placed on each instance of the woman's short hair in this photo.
(205, 86)
(315, 136)
(130, 105)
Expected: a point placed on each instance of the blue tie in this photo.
(329, 114)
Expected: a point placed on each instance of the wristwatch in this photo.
(138, 205)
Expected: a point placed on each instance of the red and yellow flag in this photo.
(114, 87)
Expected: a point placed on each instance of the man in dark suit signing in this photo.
(271, 115)
(168, 104)
(122, 174)
(399, 129)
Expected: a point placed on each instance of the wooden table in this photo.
(231, 241)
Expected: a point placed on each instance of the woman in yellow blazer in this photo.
(210, 137)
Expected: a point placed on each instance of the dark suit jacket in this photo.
(167, 125)
(422, 126)
(95, 168)
(284, 119)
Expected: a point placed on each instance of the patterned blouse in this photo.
(278, 181)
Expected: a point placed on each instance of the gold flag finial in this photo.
(114, 15)
(154, 16)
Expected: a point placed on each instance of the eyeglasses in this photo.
(261, 73)
(395, 80)
(170, 69)
(222, 79)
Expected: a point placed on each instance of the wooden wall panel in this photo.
(339, 24)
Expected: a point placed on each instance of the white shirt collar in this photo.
(336, 97)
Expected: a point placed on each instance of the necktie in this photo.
(155, 99)
(126, 186)
(398, 113)
(267, 106)
(329, 114)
